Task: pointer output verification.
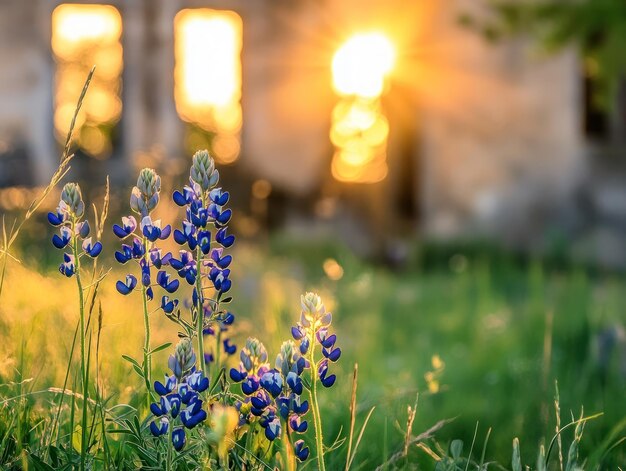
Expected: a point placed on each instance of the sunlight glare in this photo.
(359, 129)
(361, 65)
(83, 35)
(208, 76)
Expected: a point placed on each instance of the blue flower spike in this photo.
(142, 249)
(180, 404)
(203, 231)
(72, 228)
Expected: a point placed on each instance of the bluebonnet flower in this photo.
(168, 305)
(273, 394)
(90, 248)
(312, 329)
(71, 229)
(152, 230)
(145, 196)
(67, 268)
(252, 366)
(127, 286)
(180, 405)
(301, 451)
(204, 265)
(143, 200)
(129, 224)
(314, 326)
(204, 205)
(163, 279)
(185, 266)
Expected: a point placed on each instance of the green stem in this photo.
(200, 310)
(200, 305)
(83, 365)
(168, 463)
(317, 418)
(218, 351)
(147, 358)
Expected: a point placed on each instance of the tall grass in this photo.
(492, 345)
(10, 236)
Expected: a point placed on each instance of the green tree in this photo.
(597, 28)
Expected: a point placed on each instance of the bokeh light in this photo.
(361, 65)
(84, 35)
(208, 78)
(359, 129)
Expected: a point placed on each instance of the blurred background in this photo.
(450, 174)
(379, 120)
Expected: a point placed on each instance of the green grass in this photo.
(488, 324)
(486, 319)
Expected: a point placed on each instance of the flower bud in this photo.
(145, 196)
(311, 303)
(203, 170)
(287, 357)
(313, 312)
(183, 359)
(148, 182)
(73, 199)
(253, 354)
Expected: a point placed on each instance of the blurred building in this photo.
(454, 136)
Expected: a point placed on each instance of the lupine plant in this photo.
(142, 249)
(73, 238)
(205, 265)
(198, 413)
(272, 397)
(180, 404)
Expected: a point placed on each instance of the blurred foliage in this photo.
(597, 28)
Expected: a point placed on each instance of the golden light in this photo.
(333, 270)
(361, 65)
(261, 189)
(84, 35)
(207, 77)
(359, 129)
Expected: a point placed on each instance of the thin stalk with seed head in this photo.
(59, 173)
